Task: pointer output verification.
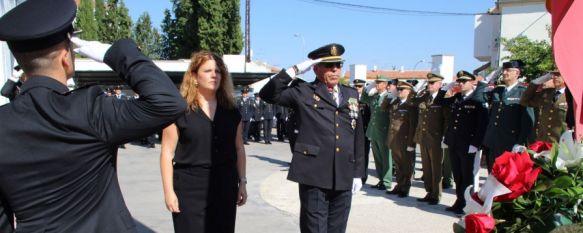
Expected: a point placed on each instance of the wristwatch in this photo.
(243, 180)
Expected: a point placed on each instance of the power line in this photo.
(385, 10)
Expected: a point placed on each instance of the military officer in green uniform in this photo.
(510, 123)
(552, 106)
(429, 134)
(403, 122)
(376, 132)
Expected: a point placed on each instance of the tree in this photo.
(147, 37)
(117, 22)
(86, 21)
(202, 24)
(100, 18)
(536, 55)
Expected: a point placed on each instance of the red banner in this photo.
(568, 50)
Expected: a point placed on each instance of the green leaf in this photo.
(563, 182)
(457, 228)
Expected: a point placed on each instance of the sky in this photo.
(283, 32)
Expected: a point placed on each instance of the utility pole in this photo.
(247, 32)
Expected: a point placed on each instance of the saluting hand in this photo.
(172, 202)
(91, 49)
(302, 67)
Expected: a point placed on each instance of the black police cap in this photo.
(433, 77)
(37, 24)
(518, 64)
(464, 75)
(329, 53)
(359, 82)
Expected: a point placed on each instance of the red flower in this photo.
(516, 172)
(479, 223)
(540, 146)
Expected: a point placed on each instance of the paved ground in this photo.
(273, 204)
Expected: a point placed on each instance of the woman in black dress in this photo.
(203, 157)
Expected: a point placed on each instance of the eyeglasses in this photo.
(400, 89)
(359, 86)
(462, 81)
(332, 64)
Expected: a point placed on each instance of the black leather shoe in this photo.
(246, 143)
(392, 192)
(459, 212)
(452, 208)
(446, 186)
(376, 186)
(433, 201)
(382, 187)
(401, 195)
(424, 199)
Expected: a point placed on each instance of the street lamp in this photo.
(415, 66)
(303, 42)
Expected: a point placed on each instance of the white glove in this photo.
(372, 91)
(443, 145)
(274, 119)
(518, 148)
(16, 75)
(448, 86)
(420, 85)
(542, 79)
(261, 118)
(252, 120)
(492, 75)
(410, 148)
(302, 67)
(356, 185)
(472, 149)
(91, 49)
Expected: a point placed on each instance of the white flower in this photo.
(570, 153)
(491, 188)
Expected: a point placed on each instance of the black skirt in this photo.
(207, 198)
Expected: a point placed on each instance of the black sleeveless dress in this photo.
(205, 171)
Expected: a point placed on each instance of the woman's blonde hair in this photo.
(189, 86)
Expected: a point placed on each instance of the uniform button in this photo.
(497, 116)
(424, 122)
(337, 125)
(460, 109)
(551, 110)
(458, 114)
(336, 112)
(455, 128)
(499, 110)
(337, 137)
(549, 134)
(337, 149)
(315, 105)
(423, 129)
(495, 123)
(455, 121)
(550, 118)
(305, 152)
(549, 126)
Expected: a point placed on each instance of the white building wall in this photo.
(486, 37)
(443, 65)
(529, 19)
(357, 71)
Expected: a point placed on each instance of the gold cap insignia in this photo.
(333, 51)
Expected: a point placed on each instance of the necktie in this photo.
(430, 99)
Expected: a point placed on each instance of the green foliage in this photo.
(117, 22)
(536, 55)
(86, 21)
(100, 19)
(201, 25)
(555, 200)
(147, 37)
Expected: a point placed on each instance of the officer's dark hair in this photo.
(35, 61)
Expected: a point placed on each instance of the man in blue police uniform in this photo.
(246, 110)
(328, 154)
(465, 131)
(268, 114)
(59, 147)
(510, 123)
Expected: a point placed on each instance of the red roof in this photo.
(392, 74)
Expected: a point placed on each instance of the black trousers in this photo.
(267, 130)
(280, 125)
(6, 217)
(245, 131)
(462, 167)
(366, 159)
(207, 198)
(323, 210)
(255, 130)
